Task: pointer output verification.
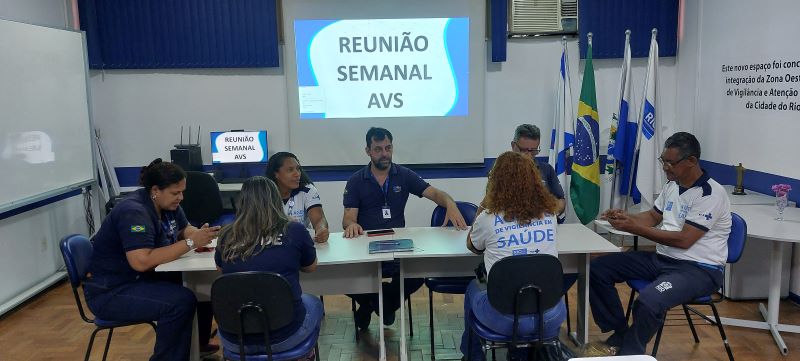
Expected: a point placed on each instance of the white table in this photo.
(761, 225)
(344, 266)
(751, 198)
(442, 252)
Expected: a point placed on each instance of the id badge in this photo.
(387, 212)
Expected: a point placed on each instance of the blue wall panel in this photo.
(607, 20)
(141, 34)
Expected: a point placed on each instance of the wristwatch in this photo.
(190, 243)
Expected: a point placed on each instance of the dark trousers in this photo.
(205, 314)
(391, 290)
(673, 282)
(171, 306)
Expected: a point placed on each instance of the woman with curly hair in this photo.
(517, 217)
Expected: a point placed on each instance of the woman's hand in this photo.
(321, 235)
(204, 235)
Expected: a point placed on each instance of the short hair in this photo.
(527, 131)
(161, 174)
(687, 144)
(378, 134)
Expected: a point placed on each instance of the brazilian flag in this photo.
(585, 182)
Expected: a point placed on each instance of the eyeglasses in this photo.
(527, 150)
(668, 163)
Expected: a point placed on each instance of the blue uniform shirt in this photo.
(363, 192)
(550, 179)
(131, 225)
(296, 250)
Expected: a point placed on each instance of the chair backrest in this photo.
(467, 209)
(510, 274)
(237, 292)
(202, 201)
(77, 252)
(737, 238)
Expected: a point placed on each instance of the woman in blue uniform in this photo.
(301, 200)
(146, 229)
(263, 238)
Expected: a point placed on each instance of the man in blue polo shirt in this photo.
(375, 198)
(526, 141)
(694, 215)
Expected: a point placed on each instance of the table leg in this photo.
(773, 302)
(380, 318)
(194, 351)
(770, 313)
(581, 334)
(403, 350)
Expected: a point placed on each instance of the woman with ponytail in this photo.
(144, 230)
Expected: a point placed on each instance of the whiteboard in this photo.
(45, 129)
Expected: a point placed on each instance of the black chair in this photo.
(77, 252)
(736, 242)
(202, 201)
(537, 286)
(257, 303)
(449, 285)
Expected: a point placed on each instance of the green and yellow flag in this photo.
(585, 182)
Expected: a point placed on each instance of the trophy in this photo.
(739, 188)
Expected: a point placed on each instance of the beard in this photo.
(383, 163)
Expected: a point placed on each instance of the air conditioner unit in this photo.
(533, 17)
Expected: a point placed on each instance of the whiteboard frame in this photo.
(10, 206)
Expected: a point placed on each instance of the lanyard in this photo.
(384, 189)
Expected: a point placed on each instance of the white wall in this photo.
(38, 12)
(729, 136)
(30, 240)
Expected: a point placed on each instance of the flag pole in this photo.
(552, 158)
(568, 105)
(616, 161)
(639, 125)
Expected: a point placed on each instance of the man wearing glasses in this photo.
(526, 141)
(694, 215)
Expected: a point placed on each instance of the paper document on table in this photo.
(392, 245)
(604, 223)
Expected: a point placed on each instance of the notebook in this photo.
(391, 245)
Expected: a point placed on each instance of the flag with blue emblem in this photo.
(562, 136)
(649, 176)
(622, 145)
(585, 181)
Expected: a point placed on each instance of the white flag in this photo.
(649, 175)
(563, 135)
(622, 142)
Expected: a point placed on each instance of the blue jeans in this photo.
(171, 306)
(476, 301)
(310, 324)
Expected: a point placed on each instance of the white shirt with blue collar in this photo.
(300, 201)
(704, 205)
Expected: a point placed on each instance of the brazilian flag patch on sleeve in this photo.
(137, 229)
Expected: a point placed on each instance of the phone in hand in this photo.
(380, 232)
(203, 249)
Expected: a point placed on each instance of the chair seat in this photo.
(295, 353)
(109, 324)
(639, 285)
(449, 285)
(490, 335)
